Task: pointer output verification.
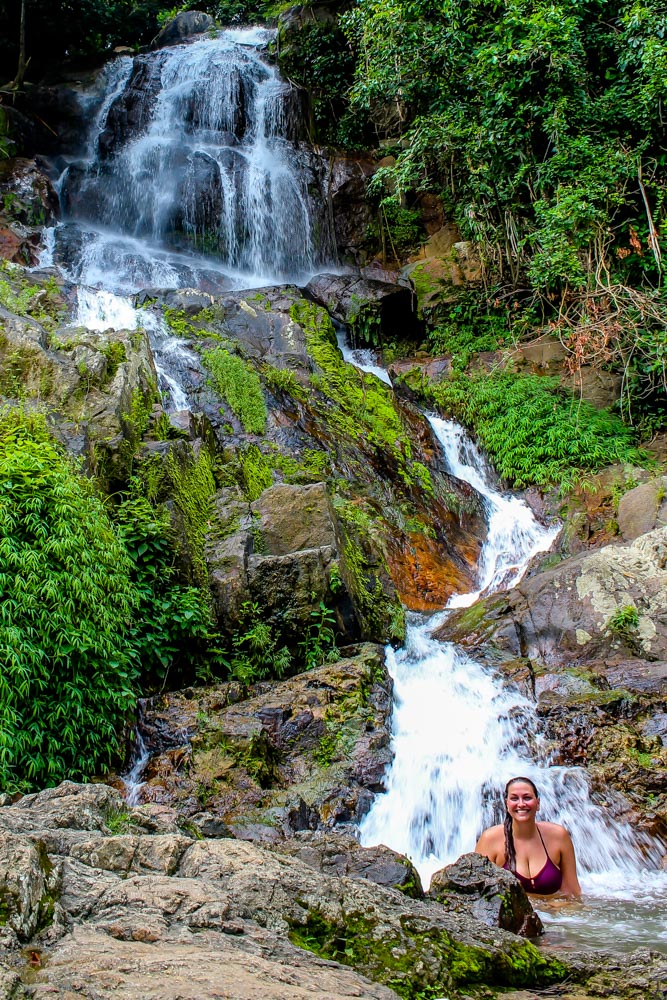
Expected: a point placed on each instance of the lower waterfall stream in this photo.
(459, 732)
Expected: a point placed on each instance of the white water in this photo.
(363, 358)
(200, 183)
(202, 187)
(140, 757)
(459, 734)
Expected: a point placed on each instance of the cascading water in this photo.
(190, 176)
(459, 733)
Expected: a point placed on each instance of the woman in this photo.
(544, 852)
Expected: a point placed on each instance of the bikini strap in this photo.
(543, 844)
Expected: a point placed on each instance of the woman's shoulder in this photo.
(554, 831)
(493, 834)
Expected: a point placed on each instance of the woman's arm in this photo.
(568, 866)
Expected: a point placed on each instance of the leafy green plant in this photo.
(239, 385)
(624, 622)
(67, 600)
(319, 643)
(532, 429)
(172, 627)
(256, 652)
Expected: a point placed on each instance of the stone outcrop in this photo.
(488, 892)
(375, 311)
(106, 908)
(99, 387)
(163, 915)
(29, 202)
(265, 762)
(183, 26)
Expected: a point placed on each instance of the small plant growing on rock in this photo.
(319, 644)
(624, 623)
(256, 652)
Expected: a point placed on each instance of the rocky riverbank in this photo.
(99, 900)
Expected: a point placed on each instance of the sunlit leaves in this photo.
(66, 603)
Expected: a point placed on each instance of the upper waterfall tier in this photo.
(194, 149)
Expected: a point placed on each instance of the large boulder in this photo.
(489, 893)
(341, 854)
(591, 605)
(375, 311)
(642, 509)
(183, 26)
(283, 554)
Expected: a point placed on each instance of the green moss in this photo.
(119, 821)
(183, 325)
(380, 615)
(283, 380)
(256, 472)
(38, 300)
(135, 422)
(193, 487)
(25, 373)
(238, 384)
(420, 960)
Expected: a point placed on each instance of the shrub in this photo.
(66, 605)
(173, 625)
(532, 429)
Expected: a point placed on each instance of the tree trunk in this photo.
(22, 64)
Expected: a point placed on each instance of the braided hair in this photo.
(510, 851)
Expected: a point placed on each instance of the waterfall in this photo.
(459, 733)
(192, 175)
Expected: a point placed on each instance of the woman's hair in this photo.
(510, 852)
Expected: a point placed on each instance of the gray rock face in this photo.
(143, 916)
(338, 854)
(488, 892)
(282, 555)
(642, 509)
(374, 310)
(184, 25)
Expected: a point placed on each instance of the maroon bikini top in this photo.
(549, 878)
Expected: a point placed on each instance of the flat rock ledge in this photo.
(98, 900)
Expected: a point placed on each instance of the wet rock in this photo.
(183, 26)
(575, 608)
(30, 195)
(282, 555)
(489, 893)
(304, 754)
(374, 310)
(338, 854)
(352, 213)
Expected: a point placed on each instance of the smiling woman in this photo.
(545, 851)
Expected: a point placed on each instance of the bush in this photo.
(173, 625)
(66, 601)
(533, 430)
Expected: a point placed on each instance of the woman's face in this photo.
(522, 802)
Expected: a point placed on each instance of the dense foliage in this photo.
(533, 431)
(66, 607)
(541, 124)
